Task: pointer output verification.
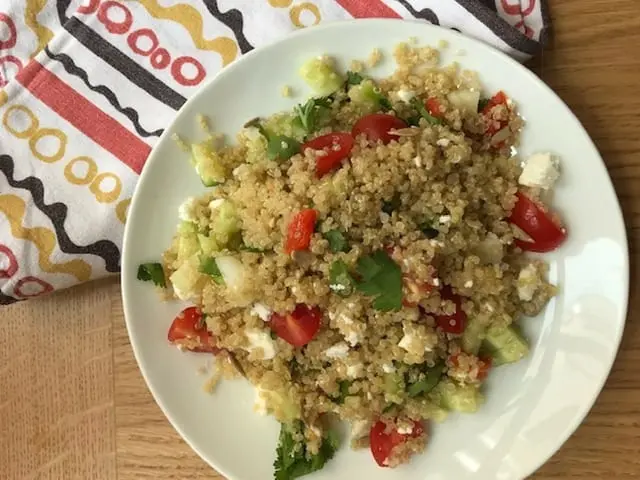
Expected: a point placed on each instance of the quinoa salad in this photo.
(363, 257)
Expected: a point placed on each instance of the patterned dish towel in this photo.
(87, 86)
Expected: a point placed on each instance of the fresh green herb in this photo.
(390, 206)
(384, 103)
(293, 460)
(309, 114)
(389, 408)
(343, 386)
(152, 272)
(248, 248)
(273, 335)
(354, 78)
(340, 281)
(428, 382)
(337, 241)
(208, 266)
(279, 147)
(380, 277)
(413, 120)
(482, 104)
(419, 106)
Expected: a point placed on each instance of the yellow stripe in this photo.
(191, 20)
(43, 34)
(3, 98)
(43, 238)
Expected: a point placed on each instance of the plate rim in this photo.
(346, 24)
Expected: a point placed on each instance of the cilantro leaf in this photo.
(340, 281)
(343, 386)
(389, 206)
(293, 460)
(279, 147)
(152, 272)
(384, 103)
(309, 114)
(354, 78)
(208, 266)
(482, 104)
(419, 106)
(428, 382)
(380, 278)
(337, 241)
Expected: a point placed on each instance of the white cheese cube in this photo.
(540, 170)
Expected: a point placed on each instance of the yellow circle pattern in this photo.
(27, 132)
(296, 12)
(92, 171)
(106, 196)
(48, 132)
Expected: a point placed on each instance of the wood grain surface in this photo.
(73, 404)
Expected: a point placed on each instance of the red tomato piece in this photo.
(190, 332)
(382, 443)
(434, 107)
(415, 289)
(336, 147)
(300, 230)
(499, 98)
(377, 126)
(298, 327)
(545, 234)
(484, 365)
(456, 322)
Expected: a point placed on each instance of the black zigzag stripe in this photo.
(426, 13)
(57, 213)
(7, 300)
(233, 20)
(130, 113)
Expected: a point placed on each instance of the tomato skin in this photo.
(546, 235)
(382, 444)
(300, 230)
(494, 126)
(337, 147)
(485, 364)
(433, 106)
(499, 98)
(298, 327)
(456, 322)
(188, 331)
(376, 127)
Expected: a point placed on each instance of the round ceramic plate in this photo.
(531, 408)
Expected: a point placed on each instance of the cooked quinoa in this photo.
(410, 264)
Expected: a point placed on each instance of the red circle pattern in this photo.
(133, 37)
(8, 59)
(13, 33)
(46, 287)
(12, 268)
(176, 71)
(115, 27)
(160, 58)
(92, 7)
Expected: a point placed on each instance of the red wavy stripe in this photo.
(84, 115)
(368, 8)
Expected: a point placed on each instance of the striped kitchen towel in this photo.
(86, 88)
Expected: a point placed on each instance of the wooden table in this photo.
(74, 405)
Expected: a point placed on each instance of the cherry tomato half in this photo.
(382, 443)
(494, 126)
(300, 230)
(190, 332)
(298, 327)
(456, 322)
(377, 126)
(336, 147)
(499, 98)
(545, 234)
(434, 107)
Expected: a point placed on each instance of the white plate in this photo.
(531, 407)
